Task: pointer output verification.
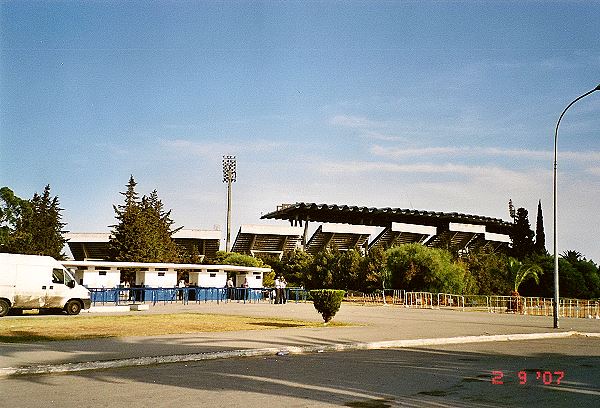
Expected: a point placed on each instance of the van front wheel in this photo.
(73, 307)
(4, 306)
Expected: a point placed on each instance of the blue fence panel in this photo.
(123, 295)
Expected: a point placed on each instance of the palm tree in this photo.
(572, 256)
(520, 272)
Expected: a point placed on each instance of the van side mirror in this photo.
(71, 284)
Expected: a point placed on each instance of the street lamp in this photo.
(229, 176)
(555, 309)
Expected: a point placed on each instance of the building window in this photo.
(102, 273)
(213, 275)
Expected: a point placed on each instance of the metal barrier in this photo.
(448, 300)
(363, 298)
(477, 302)
(534, 306)
(296, 295)
(579, 308)
(420, 300)
(125, 296)
(537, 306)
(506, 304)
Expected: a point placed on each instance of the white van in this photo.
(39, 282)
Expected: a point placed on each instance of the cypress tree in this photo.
(540, 236)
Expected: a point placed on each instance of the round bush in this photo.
(327, 302)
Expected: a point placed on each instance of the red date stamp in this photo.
(528, 377)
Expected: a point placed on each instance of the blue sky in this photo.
(431, 105)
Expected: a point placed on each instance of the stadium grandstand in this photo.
(94, 245)
(461, 232)
(339, 236)
(267, 239)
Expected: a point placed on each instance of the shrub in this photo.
(417, 267)
(327, 302)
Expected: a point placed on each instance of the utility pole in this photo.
(229, 176)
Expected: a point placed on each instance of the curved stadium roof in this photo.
(382, 217)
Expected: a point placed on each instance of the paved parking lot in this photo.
(443, 376)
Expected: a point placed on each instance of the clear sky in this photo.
(429, 105)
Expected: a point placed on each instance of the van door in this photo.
(57, 292)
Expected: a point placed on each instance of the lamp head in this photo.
(597, 88)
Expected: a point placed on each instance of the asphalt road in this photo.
(444, 376)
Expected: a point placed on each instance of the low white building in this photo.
(98, 276)
(208, 278)
(255, 279)
(156, 277)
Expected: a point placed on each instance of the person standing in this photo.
(230, 288)
(283, 284)
(246, 285)
(277, 290)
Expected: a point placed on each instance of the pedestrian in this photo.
(230, 288)
(283, 284)
(277, 290)
(245, 285)
(181, 287)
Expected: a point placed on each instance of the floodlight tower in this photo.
(229, 176)
(555, 245)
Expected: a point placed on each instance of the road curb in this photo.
(182, 358)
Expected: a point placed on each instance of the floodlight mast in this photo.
(555, 310)
(229, 176)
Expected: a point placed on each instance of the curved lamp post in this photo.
(555, 310)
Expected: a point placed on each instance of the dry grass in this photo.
(30, 329)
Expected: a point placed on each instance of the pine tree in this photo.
(522, 235)
(38, 229)
(540, 236)
(144, 230)
(125, 243)
(159, 230)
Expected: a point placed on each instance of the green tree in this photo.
(126, 241)
(12, 209)
(540, 236)
(373, 273)
(346, 270)
(294, 266)
(158, 225)
(320, 274)
(144, 230)
(327, 302)
(34, 227)
(520, 271)
(419, 268)
(579, 278)
(489, 271)
(522, 235)
(234, 258)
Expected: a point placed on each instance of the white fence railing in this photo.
(534, 306)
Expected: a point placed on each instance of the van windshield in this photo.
(68, 279)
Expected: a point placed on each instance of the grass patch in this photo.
(26, 330)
